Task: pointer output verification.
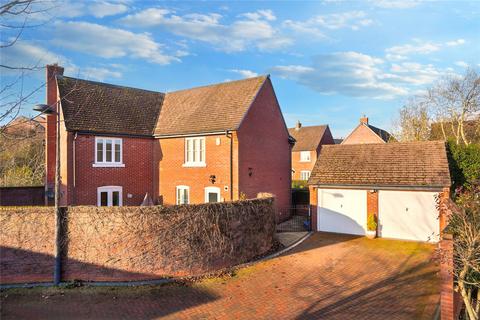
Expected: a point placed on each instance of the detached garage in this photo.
(396, 182)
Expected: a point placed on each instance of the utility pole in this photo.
(58, 215)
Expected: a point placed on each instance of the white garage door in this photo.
(342, 211)
(408, 215)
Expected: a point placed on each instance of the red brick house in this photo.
(309, 141)
(213, 143)
(366, 133)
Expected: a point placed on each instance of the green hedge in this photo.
(464, 163)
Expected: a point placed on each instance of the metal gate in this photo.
(299, 220)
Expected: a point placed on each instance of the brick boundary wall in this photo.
(21, 196)
(450, 301)
(134, 243)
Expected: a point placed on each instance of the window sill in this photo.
(108, 165)
(194, 165)
(305, 161)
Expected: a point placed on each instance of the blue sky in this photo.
(330, 61)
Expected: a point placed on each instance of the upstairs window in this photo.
(305, 156)
(108, 152)
(195, 152)
(304, 175)
(183, 194)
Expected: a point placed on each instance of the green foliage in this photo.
(299, 184)
(371, 222)
(464, 163)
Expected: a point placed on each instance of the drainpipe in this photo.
(74, 167)
(230, 136)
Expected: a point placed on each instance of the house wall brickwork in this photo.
(362, 134)
(313, 207)
(173, 171)
(265, 151)
(136, 178)
(51, 129)
(298, 165)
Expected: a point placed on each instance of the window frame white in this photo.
(305, 156)
(195, 153)
(110, 190)
(104, 163)
(212, 190)
(182, 187)
(307, 172)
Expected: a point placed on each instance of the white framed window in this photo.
(109, 196)
(212, 194)
(108, 152)
(305, 156)
(195, 152)
(183, 195)
(304, 175)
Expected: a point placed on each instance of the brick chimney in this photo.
(298, 125)
(51, 124)
(364, 120)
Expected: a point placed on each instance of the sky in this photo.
(330, 61)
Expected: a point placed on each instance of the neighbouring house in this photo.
(396, 182)
(309, 141)
(214, 143)
(366, 133)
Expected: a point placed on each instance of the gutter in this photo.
(230, 136)
(212, 133)
(381, 187)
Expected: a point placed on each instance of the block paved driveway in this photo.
(327, 277)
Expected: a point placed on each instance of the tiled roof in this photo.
(308, 138)
(411, 164)
(384, 135)
(105, 108)
(211, 108)
(100, 107)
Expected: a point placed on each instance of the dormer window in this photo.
(108, 152)
(305, 156)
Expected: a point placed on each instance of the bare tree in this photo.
(464, 225)
(454, 100)
(413, 123)
(15, 18)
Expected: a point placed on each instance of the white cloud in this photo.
(99, 74)
(244, 73)
(108, 42)
(462, 64)
(251, 30)
(96, 8)
(395, 4)
(317, 25)
(359, 75)
(102, 9)
(346, 73)
(417, 48)
(28, 54)
(455, 43)
(260, 14)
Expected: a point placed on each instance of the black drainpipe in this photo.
(230, 136)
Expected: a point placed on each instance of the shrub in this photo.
(371, 222)
(299, 184)
(464, 162)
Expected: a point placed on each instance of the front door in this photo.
(212, 194)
